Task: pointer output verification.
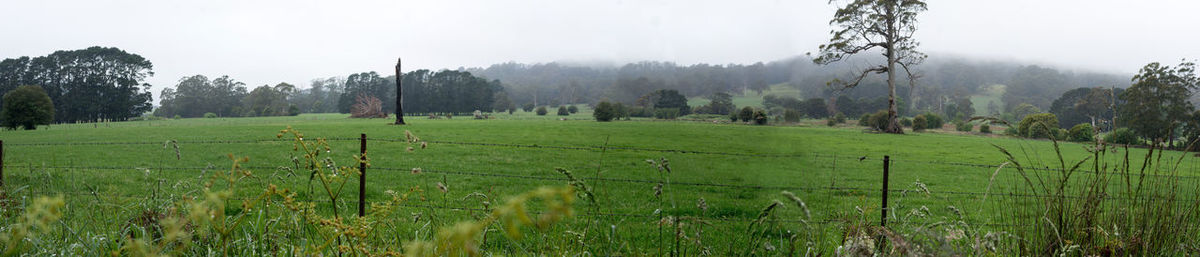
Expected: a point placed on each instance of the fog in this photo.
(267, 42)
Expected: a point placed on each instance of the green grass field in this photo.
(737, 169)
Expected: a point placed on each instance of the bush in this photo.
(573, 109)
(933, 121)
(879, 120)
(541, 111)
(26, 107)
(1123, 136)
(791, 116)
(178, 117)
(985, 128)
(605, 112)
(840, 118)
(1041, 125)
(919, 123)
(831, 122)
(733, 117)
(562, 111)
(641, 112)
(963, 126)
(293, 110)
(1081, 132)
(865, 120)
(906, 122)
(210, 115)
(666, 113)
(746, 114)
(760, 117)
(527, 107)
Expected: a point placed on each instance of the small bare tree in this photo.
(869, 24)
(367, 107)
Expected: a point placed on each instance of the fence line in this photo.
(597, 148)
(825, 221)
(861, 190)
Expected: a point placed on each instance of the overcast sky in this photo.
(267, 42)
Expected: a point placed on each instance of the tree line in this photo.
(96, 83)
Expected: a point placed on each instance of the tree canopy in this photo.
(85, 85)
(1157, 103)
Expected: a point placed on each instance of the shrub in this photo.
(541, 111)
(831, 122)
(210, 115)
(791, 116)
(604, 112)
(293, 110)
(572, 109)
(746, 114)
(1041, 125)
(985, 128)
(933, 121)
(1123, 136)
(733, 117)
(760, 117)
(963, 126)
(527, 107)
(26, 107)
(641, 112)
(878, 121)
(840, 118)
(906, 122)
(178, 117)
(562, 111)
(919, 123)
(1081, 132)
(865, 120)
(666, 113)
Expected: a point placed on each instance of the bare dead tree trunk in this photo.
(399, 98)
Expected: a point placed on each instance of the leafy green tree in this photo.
(26, 107)
(605, 112)
(573, 109)
(1023, 110)
(719, 103)
(1041, 125)
(1157, 102)
(562, 111)
(196, 95)
(527, 107)
(870, 24)
(1085, 105)
(668, 99)
(1081, 132)
(541, 111)
(746, 114)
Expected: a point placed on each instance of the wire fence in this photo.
(854, 159)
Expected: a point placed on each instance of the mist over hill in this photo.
(939, 80)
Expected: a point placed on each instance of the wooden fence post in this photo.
(883, 211)
(1, 163)
(362, 175)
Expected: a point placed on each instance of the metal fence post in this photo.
(883, 211)
(362, 175)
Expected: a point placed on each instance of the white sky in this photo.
(267, 42)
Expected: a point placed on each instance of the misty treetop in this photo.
(85, 85)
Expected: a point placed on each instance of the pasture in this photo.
(109, 174)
